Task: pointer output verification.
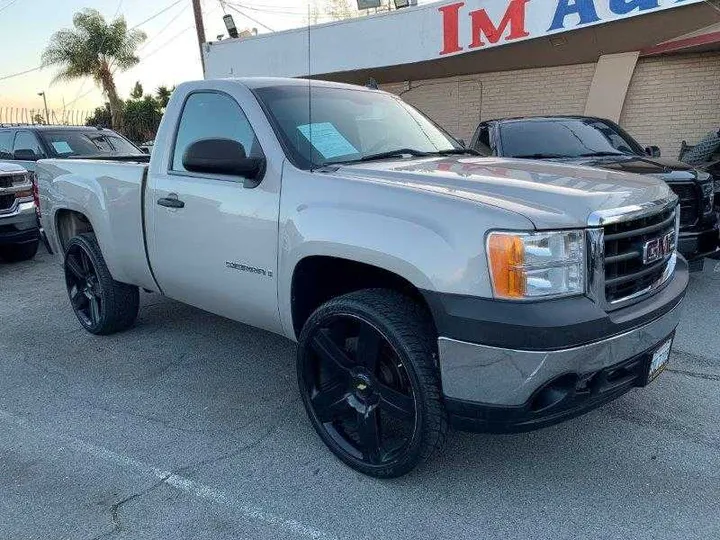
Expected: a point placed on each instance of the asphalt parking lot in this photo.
(190, 426)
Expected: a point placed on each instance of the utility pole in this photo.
(47, 116)
(200, 28)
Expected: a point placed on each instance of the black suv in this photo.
(596, 142)
(25, 144)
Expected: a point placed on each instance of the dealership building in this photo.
(651, 65)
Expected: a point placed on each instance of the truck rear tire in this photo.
(20, 252)
(369, 381)
(102, 305)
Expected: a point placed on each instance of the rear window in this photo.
(88, 143)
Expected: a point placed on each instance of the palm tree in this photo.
(163, 94)
(95, 49)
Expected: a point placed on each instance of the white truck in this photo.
(425, 286)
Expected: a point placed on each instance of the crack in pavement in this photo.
(251, 512)
(695, 374)
(115, 508)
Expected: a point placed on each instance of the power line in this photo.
(20, 73)
(10, 3)
(232, 6)
(151, 17)
(159, 32)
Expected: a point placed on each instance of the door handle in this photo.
(171, 201)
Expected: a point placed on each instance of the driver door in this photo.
(216, 248)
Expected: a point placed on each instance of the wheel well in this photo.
(69, 224)
(318, 279)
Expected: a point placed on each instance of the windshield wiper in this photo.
(602, 154)
(538, 156)
(458, 151)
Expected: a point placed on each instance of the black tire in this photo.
(20, 252)
(410, 343)
(102, 305)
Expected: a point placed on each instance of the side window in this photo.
(24, 140)
(6, 142)
(208, 115)
(483, 141)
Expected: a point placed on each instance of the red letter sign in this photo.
(514, 18)
(451, 34)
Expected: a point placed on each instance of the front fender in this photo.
(434, 242)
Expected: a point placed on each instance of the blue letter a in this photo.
(584, 8)
(621, 7)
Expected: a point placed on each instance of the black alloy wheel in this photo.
(83, 285)
(371, 391)
(101, 304)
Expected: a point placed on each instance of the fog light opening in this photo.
(553, 393)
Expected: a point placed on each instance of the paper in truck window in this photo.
(327, 140)
(61, 147)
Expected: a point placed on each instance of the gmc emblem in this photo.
(658, 249)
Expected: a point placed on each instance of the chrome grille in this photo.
(628, 271)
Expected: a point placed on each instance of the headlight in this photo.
(524, 266)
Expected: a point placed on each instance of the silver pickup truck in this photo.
(425, 286)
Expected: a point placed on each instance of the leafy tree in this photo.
(142, 118)
(95, 49)
(101, 117)
(137, 91)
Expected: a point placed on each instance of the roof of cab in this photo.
(264, 82)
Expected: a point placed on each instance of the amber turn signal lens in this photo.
(506, 253)
(24, 194)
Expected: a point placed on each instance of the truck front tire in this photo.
(102, 305)
(369, 381)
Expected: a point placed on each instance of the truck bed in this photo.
(109, 192)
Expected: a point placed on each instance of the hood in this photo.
(11, 168)
(667, 169)
(551, 195)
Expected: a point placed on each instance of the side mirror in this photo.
(223, 156)
(25, 154)
(653, 151)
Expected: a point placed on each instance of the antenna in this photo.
(310, 124)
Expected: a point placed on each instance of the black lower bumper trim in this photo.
(19, 237)
(561, 399)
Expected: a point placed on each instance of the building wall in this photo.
(670, 98)
(673, 98)
(460, 103)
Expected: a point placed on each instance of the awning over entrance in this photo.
(461, 37)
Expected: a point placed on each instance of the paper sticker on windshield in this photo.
(327, 140)
(61, 147)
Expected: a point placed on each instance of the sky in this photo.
(170, 54)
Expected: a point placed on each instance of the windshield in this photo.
(347, 125)
(93, 142)
(565, 138)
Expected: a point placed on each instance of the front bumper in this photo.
(699, 242)
(525, 378)
(19, 225)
